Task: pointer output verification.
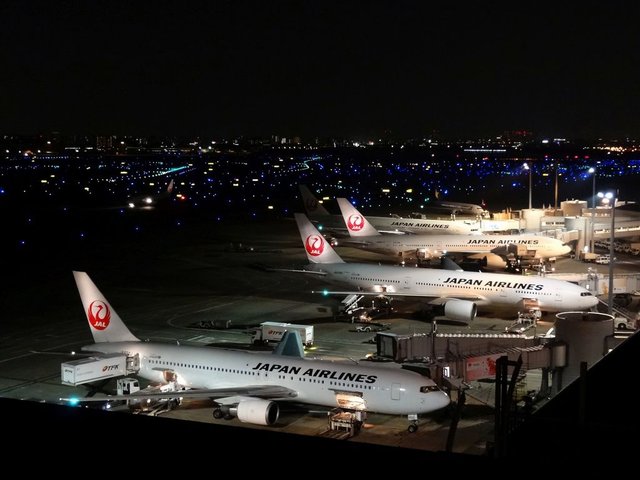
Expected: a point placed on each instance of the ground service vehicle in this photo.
(274, 331)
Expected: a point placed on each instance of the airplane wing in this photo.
(432, 299)
(258, 391)
(295, 270)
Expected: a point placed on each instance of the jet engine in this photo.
(460, 310)
(493, 261)
(512, 249)
(258, 412)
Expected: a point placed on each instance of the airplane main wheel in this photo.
(413, 428)
(217, 413)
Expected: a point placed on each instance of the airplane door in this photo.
(395, 391)
(406, 284)
(558, 298)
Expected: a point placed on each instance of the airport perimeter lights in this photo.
(527, 167)
(612, 199)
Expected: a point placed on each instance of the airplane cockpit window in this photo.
(429, 388)
(586, 294)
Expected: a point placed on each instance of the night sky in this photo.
(320, 68)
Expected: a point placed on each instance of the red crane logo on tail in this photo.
(314, 245)
(355, 222)
(99, 315)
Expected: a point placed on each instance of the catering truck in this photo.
(91, 369)
(274, 331)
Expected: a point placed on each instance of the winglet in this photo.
(290, 345)
(447, 264)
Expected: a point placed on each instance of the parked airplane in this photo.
(424, 247)
(459, 292)
(455, 208)
(390, 224)
(249, 385)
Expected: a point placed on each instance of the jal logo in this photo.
(99, 315)
(355, 222)
(314, 245)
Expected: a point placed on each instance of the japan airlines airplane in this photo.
(365, 236)
(455, 208)
(459, 292)
(390, 224)
(249, 385)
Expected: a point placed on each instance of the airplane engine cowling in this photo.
(511, 249)
(495, 262)
(460, 310)
(258, 412)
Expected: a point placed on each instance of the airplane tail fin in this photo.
(105, 324)
(357, 224)
(315, 245)
(170, 186)
(290, 345)
(311, 204)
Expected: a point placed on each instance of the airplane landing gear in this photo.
(413, 426)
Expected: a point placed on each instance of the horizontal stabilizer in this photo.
(447, 264)
(290, 345)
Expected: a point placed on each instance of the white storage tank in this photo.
(585, 335)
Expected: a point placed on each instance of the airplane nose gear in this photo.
(413, 426)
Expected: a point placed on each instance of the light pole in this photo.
(592, 171)
(610, 196)
(527, 167)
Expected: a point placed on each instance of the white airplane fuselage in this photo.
(383, 389)
(483, 289)
(425, 226)
(438, 245)
(397, 224)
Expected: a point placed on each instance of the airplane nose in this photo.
(440, 400)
